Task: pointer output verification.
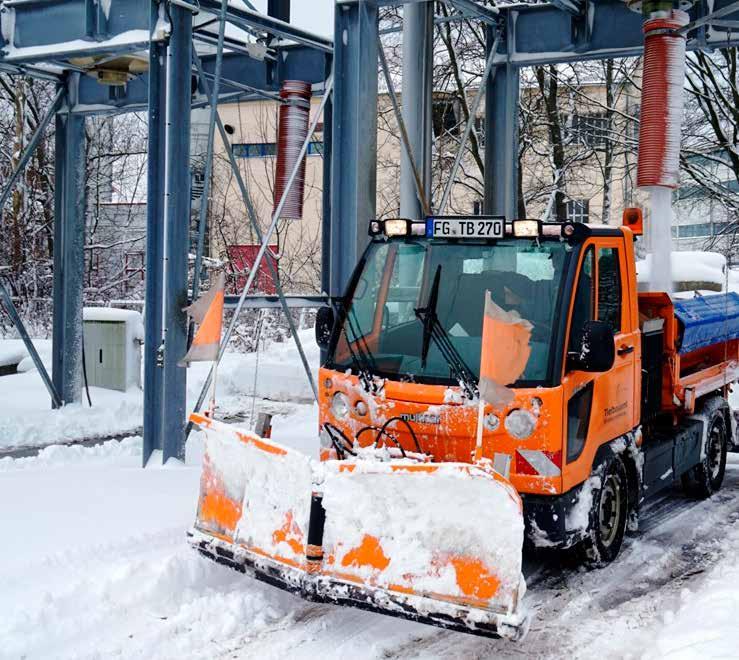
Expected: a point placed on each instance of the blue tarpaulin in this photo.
(707, 320)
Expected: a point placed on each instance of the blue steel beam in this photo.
(251, 19)
(328, 114)
(69, 250)
(501, 137)
(177, 232)
(205, 197)
(153, 372)
(354, 158)
(40, 23)
(295, 63)
(543, 34)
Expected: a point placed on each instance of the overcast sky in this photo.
(314, 15)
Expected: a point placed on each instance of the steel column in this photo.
(153, 373)
(205, 198)
(177, 231)
(501, 139)
(487, 75)
(354, 159)
(417, 99)
(328, 114)
(69, 249)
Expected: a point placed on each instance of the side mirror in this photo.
(324, 326)
(597, 350)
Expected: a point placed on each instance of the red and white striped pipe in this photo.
(662, 100)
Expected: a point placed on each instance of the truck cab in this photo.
(391, 379)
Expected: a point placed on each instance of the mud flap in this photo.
(436, 543)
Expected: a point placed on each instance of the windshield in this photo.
(381, 323)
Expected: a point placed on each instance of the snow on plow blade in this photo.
(438, 543)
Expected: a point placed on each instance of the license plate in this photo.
(468, 228)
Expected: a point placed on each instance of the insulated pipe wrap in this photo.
(662, 101)
(294, 116)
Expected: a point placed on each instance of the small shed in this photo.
(113, 339)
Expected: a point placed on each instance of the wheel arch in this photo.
(624, 447)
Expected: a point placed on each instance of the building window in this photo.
(699, 230)
(134, 266)
(93, 266)
(241, 258)
(269, 149)
(197, 183)
(315, 149)
(444, 118)
(591, 129)
(480, 130)
(578, 210)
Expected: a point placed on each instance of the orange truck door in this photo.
(600, 407)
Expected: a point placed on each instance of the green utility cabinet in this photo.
(113, 340)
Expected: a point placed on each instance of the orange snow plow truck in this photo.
(423, 497)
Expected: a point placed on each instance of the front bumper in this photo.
(546, 519)
(319, 588)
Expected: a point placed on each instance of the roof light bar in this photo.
(526, 228)
(397, 227)
(476, 228)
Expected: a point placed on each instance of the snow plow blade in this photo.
(437, 543)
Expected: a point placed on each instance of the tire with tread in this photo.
(608, 517)
(707, 477)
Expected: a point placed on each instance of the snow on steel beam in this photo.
(38, 30)
(544, 34)
(253, 19)
(486, 14)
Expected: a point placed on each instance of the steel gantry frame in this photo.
(193, 60)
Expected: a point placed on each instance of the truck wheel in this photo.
(706, 477)
(608, 516)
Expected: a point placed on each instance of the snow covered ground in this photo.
(94, 564)
(26, 418)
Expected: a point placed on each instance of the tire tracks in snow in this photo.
(577, 613)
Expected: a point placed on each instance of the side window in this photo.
(609, 288)
(584, 307)
(364, 303)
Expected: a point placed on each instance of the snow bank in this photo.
(26, 418)
(62, 456)
(688, 268)
(704, 626)
(276, 373)
(12, 351)
(97, 565)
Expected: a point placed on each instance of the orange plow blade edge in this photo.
(438, 543)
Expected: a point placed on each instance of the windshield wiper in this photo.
(432, 329)
(362, 356)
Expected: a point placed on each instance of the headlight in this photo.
(520, 423)
(491, 422)
(340, 406)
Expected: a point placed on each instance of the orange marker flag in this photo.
(504, 353)
(207, 312)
